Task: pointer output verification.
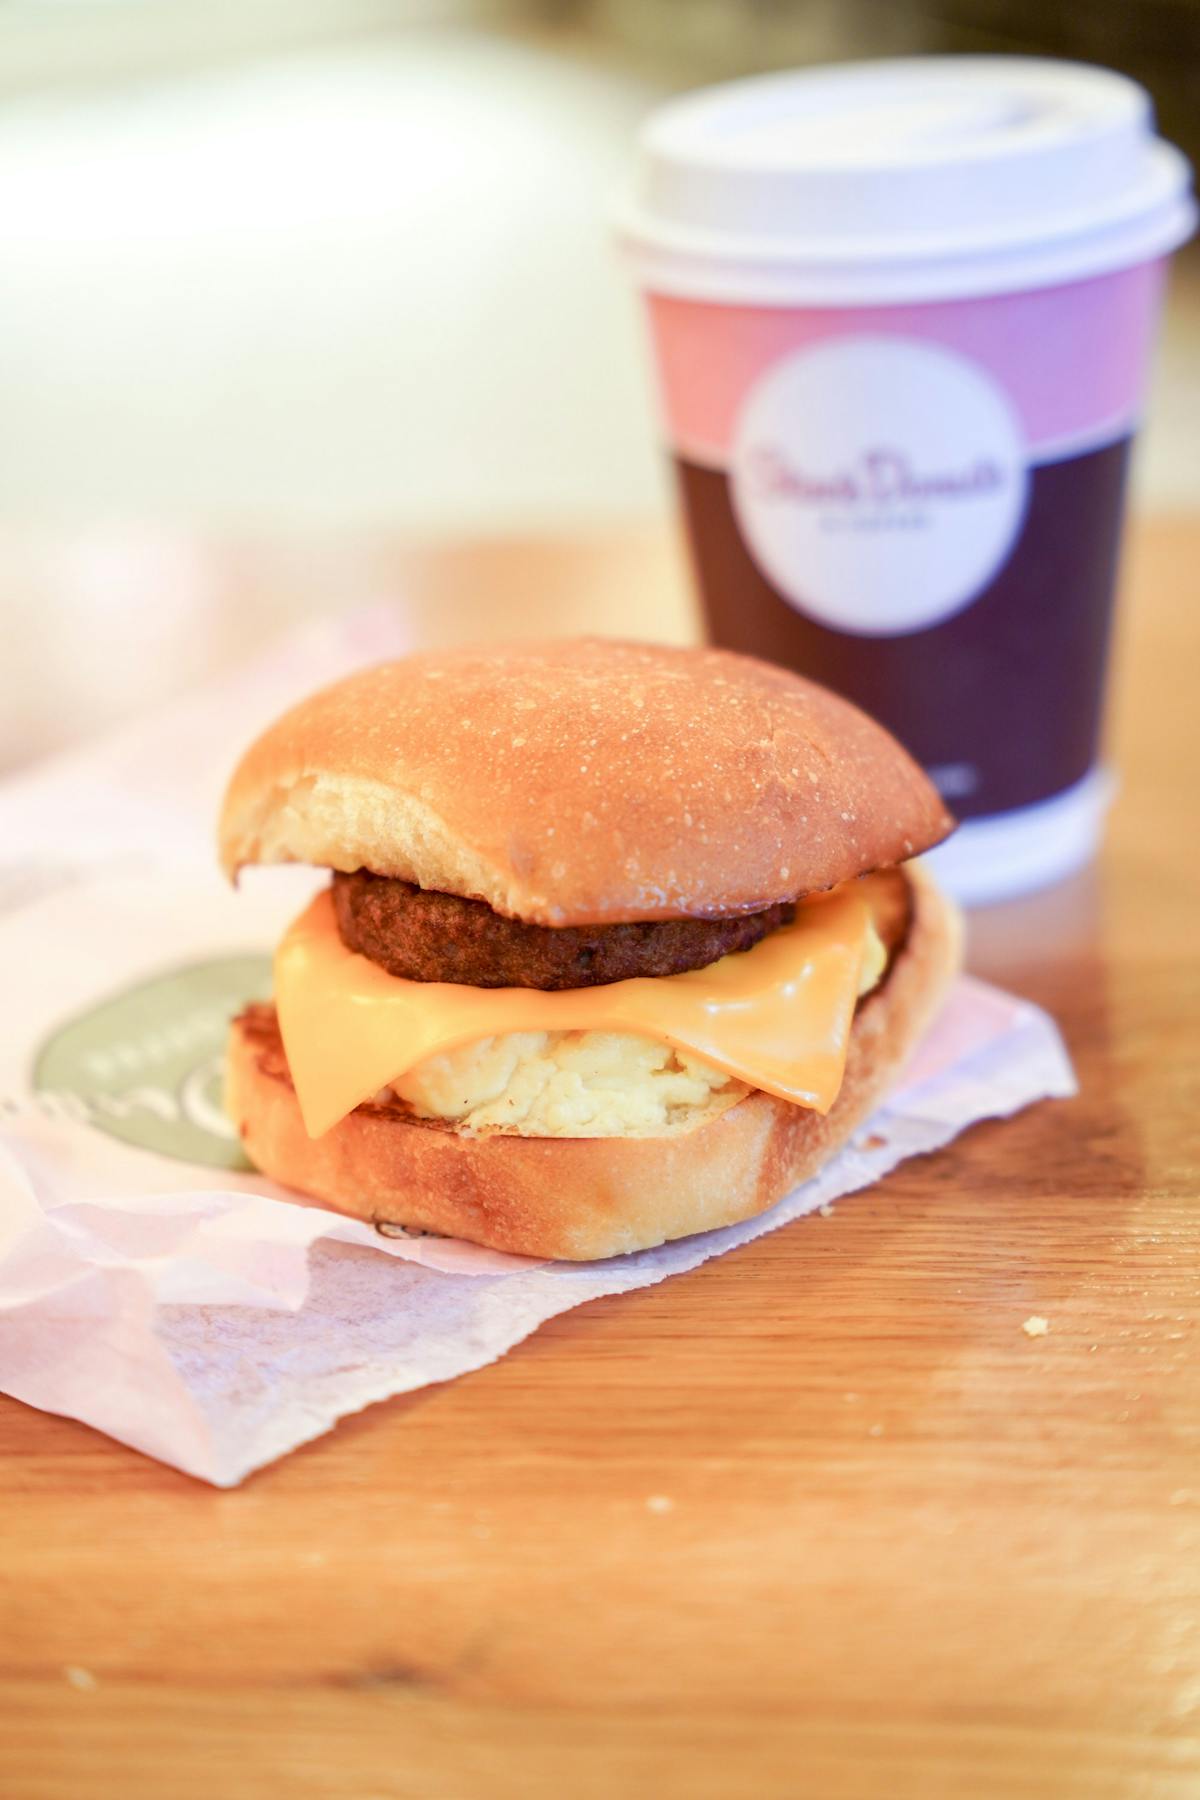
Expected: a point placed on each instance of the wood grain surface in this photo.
(816, 1520)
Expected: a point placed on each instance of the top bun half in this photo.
(585, 782)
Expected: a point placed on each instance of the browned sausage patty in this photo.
(427, 936)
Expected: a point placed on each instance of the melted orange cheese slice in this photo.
(777, 1016)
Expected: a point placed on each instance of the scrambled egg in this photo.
(566, 1084)
(874, 961)
(580, 1083)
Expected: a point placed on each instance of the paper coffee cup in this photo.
(902, 314)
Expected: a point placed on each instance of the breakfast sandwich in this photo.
(619, 944)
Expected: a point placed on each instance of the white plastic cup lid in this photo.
(918, 178)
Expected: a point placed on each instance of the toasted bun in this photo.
(580, 1198)
(583, 783)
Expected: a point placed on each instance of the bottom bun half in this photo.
(583, 1198)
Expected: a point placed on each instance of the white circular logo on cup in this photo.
(879, 482)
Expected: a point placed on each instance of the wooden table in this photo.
(817, 1520)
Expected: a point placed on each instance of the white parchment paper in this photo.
(152, 1285)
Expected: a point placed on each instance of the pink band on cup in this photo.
(1071, 359)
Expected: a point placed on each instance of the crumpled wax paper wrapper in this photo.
(151, 1283)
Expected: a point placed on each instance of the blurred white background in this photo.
(370, 283)
(289, 269)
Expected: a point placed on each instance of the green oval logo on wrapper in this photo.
(146, 1065)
